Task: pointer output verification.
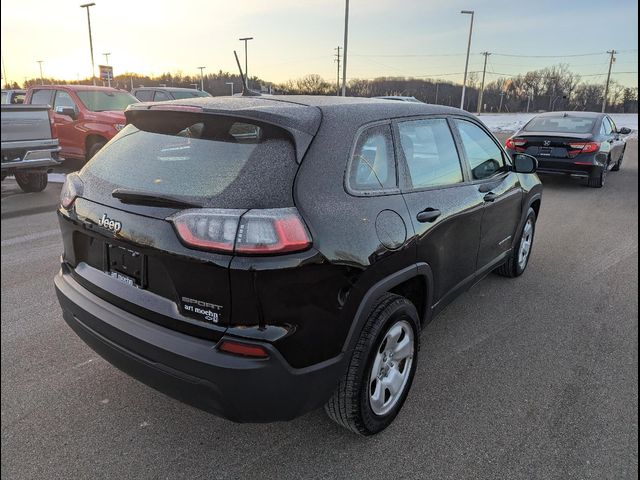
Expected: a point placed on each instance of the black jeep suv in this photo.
(258, 257)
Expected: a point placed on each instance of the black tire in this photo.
(616, 167)
(94, 148)
(512, 267)
(32, 181)
(350, 404)
(597, 181)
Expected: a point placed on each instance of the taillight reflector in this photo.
(244, 349)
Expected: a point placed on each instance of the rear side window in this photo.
(63, 100)
(17, 98)
(212, 160)
(41, 97)
(430, 153)
(485, 157)
(373, 167)
(161, 96)
(606, 125)
(144, 95)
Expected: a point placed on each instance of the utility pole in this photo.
(40, 62)
(4, 73)
(466, 65)
(231, 85)
(484, 73)
(437, 88)
(529, 98)
(337, 60)
(106, 57)
(93, 67)
(501, 99)
(612, 59)
(202, 78)
(246, 61)
(344, 53)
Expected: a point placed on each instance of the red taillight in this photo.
(275, 230)
(71, 189)
(54, 129)
(583, 147)
(270, 231)
(208, 228)
(244, 349)
(516, 144)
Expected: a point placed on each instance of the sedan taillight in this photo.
(516, 144)
(584, 147)
(257, 232)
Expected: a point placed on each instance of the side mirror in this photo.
(624, 131)
(68, 111)
(523, 163)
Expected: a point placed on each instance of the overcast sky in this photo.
(297, 37)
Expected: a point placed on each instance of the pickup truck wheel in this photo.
(519, 258)
(32, 181)
(381, 370)
(94, 148)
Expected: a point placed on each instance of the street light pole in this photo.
(41, 77)
(231, 85)
(344, 48)
(466, 65)
(106, 57)
(93, 67)
(246, 58)
(202, 78)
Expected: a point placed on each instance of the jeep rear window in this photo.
(216, 161)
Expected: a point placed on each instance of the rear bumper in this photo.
(191, 369)
(581, 167)
(41, 158)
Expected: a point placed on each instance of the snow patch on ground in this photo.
(57, 177)
(510, 122)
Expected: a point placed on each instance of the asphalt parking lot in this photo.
(529, 378)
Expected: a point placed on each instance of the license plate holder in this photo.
(126, 265)
(545, 151)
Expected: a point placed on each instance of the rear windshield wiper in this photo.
(152, 199)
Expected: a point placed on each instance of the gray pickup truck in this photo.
(29, 147)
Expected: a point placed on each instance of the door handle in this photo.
(490, 197)
(428, 215)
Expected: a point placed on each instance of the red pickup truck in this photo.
(85, 117)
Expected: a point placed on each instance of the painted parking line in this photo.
(29, 238)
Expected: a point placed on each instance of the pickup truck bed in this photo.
(29, 148)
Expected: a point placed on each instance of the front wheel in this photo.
(618, 164)
(519, 258)
(381, 370)
(34, 181)
(94, 148)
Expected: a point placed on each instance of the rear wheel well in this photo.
(414, 290)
